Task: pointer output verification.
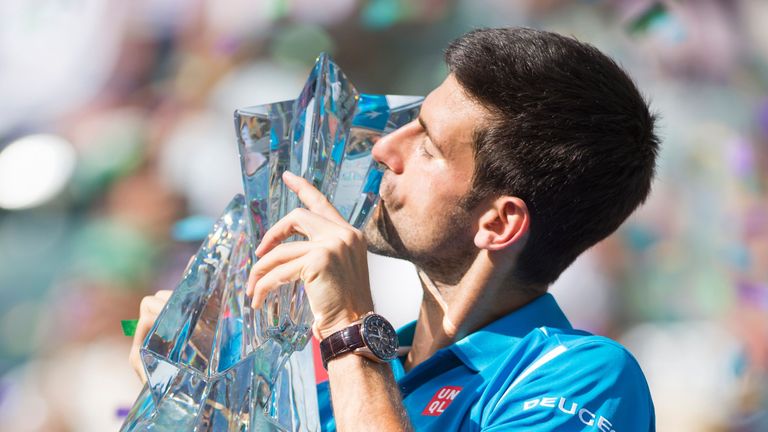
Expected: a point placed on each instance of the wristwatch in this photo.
(372, 337)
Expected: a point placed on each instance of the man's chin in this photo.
(376, 242)
(378, 232)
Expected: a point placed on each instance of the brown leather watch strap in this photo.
(343, 341)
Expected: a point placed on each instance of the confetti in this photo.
(648, 18)
(129, 326)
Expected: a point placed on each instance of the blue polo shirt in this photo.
(528, 371)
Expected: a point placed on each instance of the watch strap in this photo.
(343, 341)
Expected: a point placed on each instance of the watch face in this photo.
(380, 337)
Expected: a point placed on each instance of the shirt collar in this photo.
(481, 348)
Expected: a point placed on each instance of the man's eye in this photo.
(423, 148)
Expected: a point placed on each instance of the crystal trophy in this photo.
(213, 363)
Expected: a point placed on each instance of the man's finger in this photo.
(312, 198)
(279, 255)
(150, 308)
(299, 221)
(164, 294)
(142, 328)
(280, 275)
(152, 305)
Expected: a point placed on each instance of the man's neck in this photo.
(450, 312)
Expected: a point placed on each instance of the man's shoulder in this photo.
(582, 345)
(568, 377)
(566, 354)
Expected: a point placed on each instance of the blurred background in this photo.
(117, 152)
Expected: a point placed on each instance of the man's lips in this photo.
(385, 187)
(385, 224)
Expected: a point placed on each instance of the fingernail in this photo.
(260, 250)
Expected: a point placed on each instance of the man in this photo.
(533, 149)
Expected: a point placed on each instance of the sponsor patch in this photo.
(441, 400)
(585, 416)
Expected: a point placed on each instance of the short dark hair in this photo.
(569, 134)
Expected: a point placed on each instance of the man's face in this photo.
(429, 171)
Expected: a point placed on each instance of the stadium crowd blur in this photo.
(117, 152)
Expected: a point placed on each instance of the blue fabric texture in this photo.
(528, 371)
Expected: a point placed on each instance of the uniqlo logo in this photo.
(441, 400)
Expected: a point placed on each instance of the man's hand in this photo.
(331, 262)
(150, 308)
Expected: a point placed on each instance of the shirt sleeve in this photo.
(594, 386)
(325, 409)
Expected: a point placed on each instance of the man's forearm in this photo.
(365, 396)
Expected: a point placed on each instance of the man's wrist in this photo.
(325, 331)
(345, 362)
(371, 336)
(324, 328)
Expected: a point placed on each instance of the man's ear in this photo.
(503, 224)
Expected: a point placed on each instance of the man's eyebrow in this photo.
(426, 130)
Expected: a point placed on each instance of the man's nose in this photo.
(391, 149)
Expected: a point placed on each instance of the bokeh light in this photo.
(117, 149)
(34, 169)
